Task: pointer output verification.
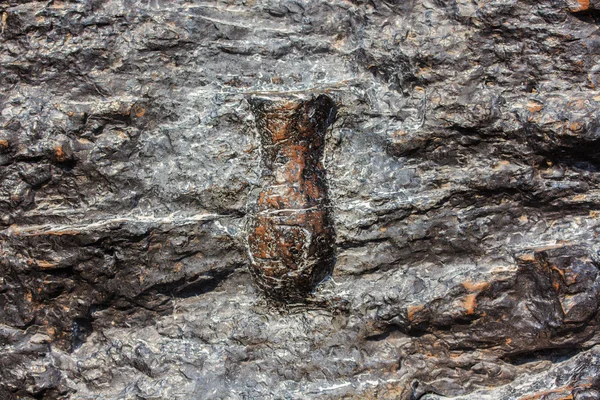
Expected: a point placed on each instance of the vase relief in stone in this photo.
(291, 238)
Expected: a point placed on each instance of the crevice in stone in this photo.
(553, 355)
(202, 286)
(590, 16)
(192, 286)
(82, 328)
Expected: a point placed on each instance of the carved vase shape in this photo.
(291, 239)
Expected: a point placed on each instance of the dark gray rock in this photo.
(462, 175)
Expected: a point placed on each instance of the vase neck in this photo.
(292, 120)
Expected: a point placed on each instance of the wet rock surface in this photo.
(462, 177)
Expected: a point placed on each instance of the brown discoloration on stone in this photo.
(291, 238)
(178, 267)
(15, 230)
(469, 303)
(60, 154)
(412, 310)
(534, 106)
(580, 5)
(139, 111)
(471, 286)
(46, 264)
(575, 126)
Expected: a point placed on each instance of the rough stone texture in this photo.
(462, 173)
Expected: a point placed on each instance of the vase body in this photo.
(291, 239)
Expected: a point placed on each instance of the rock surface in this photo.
(462, 174)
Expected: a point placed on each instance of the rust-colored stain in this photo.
(139, 111)
(527, 257)
(471, 286)
(4, 143)
(469, 303)
(178, 266)
(16, 231)
(46, 264)
(68, 232)
(291, 239)
(412, 310)
(60, 154)
(580, 5)
(575, 126)
(534, 106)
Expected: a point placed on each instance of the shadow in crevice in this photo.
(553, 355)
(589, 16)
(82, 328)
